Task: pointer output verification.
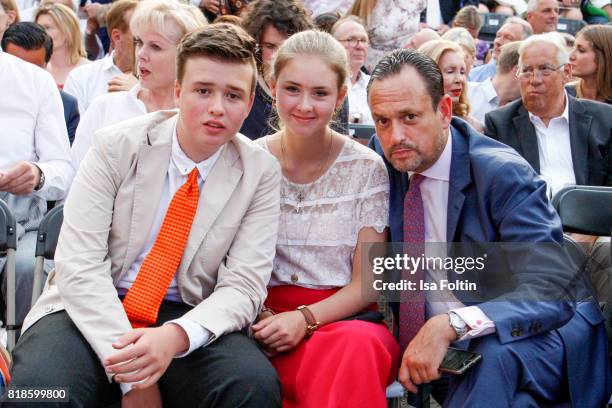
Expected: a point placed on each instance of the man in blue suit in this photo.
(451, 184)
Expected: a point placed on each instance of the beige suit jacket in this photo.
(227, 261)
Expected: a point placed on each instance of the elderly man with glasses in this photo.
(566, 140)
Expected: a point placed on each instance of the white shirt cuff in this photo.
(478, 322)
(198, 335)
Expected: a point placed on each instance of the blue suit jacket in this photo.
(495, 196)
(71, 114)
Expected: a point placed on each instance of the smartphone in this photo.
(458, 361)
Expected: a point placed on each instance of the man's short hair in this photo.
(29, 36)
(527, 30)
(221, 41)
(115, 19)
(393, 63)
(508, 57)
(343, 20)
(554, 39)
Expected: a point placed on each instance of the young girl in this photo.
(334, 196)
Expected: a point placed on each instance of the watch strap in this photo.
(311, 322)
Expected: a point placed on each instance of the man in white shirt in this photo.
(497, 91)
(543, 15)
(466, 188)
(566, 140)
(35, 164)
(178, 204)
(90, 80)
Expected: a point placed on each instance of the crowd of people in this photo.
(220, 219)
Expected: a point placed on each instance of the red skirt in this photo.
(343, 364)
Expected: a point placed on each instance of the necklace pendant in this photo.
(298, 208)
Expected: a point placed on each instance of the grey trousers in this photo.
(231, 372)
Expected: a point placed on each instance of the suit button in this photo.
(48, 309)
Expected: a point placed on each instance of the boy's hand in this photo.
(146, 354)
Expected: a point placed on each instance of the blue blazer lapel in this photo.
(527, 138)
(579, 130)
(460, 177)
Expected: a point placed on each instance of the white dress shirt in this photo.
(483, 98)
(434, 192)
(33, 127)
(178, 171)
(358, 100)
(555, 151)
(88, 81)
(433, 14)
(105, 110)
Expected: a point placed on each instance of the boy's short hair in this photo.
(221, 41)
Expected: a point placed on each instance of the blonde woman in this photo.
(9, 15)
(334, 197)
(450, 58)
(62, 25)
(157, 27)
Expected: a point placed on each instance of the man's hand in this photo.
(425, 352)
(123, 82)
(149, 397)
(145, 354)
(92, 10)
(210, 5)
(20, 179)
(280, 332)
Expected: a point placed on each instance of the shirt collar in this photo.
(363, 80)
(184, 164)
(489, 90)
(440, 170)
(108, 62)
(565, 115)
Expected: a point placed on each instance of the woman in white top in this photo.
(334, 197)
(351, 33)
(157, 27)
(62, 25)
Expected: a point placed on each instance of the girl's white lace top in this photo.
(320, 221)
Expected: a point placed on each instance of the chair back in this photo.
(565, 25)
(585, 209)
(48, 232)
(491, 22)
(8, 228)
(361, 132)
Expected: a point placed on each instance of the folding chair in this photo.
(8, 245)
(491, 22)
(565, 25)
(46, 241)
(588, 210)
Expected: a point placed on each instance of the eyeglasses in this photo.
(544, 70)
(354, 41)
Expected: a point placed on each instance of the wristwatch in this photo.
(458, 324)
(311, 323)
(41, 181)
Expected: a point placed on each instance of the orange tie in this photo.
(144, 297)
